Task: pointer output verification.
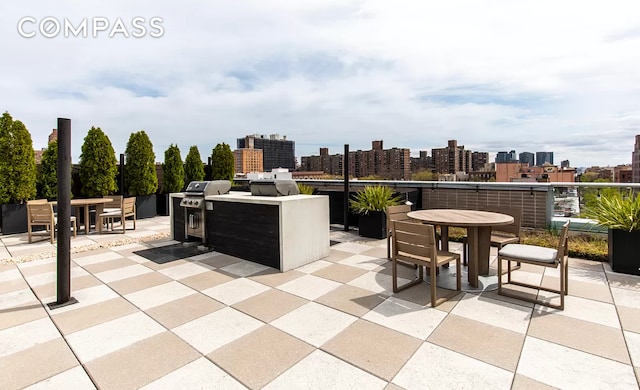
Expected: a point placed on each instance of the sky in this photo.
(496, 75)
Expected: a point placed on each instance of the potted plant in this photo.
(620, 214)
(172, 177)
(305, 189)
(140, 174)
(17, 174)
(370, 203)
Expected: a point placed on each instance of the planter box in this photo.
(162, 203)
(373, 225)
(14, 218)
(146, 206)
(623, 251)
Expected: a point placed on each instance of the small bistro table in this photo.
(478, 224)
(86, 203)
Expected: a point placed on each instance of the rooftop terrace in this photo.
(153, 313)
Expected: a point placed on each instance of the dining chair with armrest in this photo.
(40, 213)
(536, 255)
(416, 243)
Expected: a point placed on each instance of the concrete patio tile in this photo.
(577, 288)
(217, 260)
(563, 367)
(76, 320)
(377, 282)
(406, 272)
(579, 274)
(159, 266)
(521, 382)
(95, 258)
(235, 291)
(74, 378)
(244, 268)
(205, 256)
(497, 313)
(27, 335)
(77, 283)
(18, 298)
(108, 265)
(525, 292)
(21, 314)
(633, 343)
(626, 297)
(351, 247)
(421, 295)
(197, 374)
(523, 276)
(311, 373)
(314, 323)
(337, 255)
(208, 333)
(624, 281)
(352, 300)
(51, 277)
(309, 287)
(392, 386)
(368, 263)
(183, 310)
(85, 297)
(37, 267)
(380, 251)
(107, 337)
(123, 273)
(586, 264)
(488, 343)
(184, 270)
(314, 266)
(373, 348)
(274, 278)
(158, 295)
(581, 335)
(584, 309)
(432, 366)
(35, 364)
(9, 272)
(141, 363)
(339, 272)
(260, 356)
(138, 283)
(269, 305)
(629, 318)
(406, 317)
(205, 280)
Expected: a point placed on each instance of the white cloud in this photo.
(495, 75)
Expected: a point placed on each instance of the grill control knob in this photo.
(196, 202)
(190, 202)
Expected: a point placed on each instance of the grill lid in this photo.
(206, 188)
(273, 187)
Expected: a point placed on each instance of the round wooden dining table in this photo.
(478, 224)
(85, 204)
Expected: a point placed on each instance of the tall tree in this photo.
(17, 162)
(172, 170)
(193, 166)
(222, 162)
(48, 181)
(98, 164)
(140, 168)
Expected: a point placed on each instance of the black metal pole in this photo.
(209, 169)
(345, 170)
(121, 176)
(64, 215)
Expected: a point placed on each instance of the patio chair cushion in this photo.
(529, 252)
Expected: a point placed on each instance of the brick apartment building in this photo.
(452, 159)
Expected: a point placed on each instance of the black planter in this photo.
(14, 218)
(373, 225)
(146, 206)
(162, 203)
(623, 251)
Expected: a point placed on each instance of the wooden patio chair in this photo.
(128, 210)
(536, 255)
(500, 235)
(416, 243)
(395, 213)
(115, 206)
(40, 213)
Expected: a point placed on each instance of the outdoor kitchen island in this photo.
(282, 232)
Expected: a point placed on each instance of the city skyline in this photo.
(495, 75)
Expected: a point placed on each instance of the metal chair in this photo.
(536, 255)
(416, 243)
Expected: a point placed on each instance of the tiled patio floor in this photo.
(214, 321)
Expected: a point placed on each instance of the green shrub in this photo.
(98, 165)
(373, 198)
(140, 168)
(172, 170)
(193, 166)
(222, 162)
(305, 189)
(17, 162)
(48, 178)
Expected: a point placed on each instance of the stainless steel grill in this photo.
(193, 204)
